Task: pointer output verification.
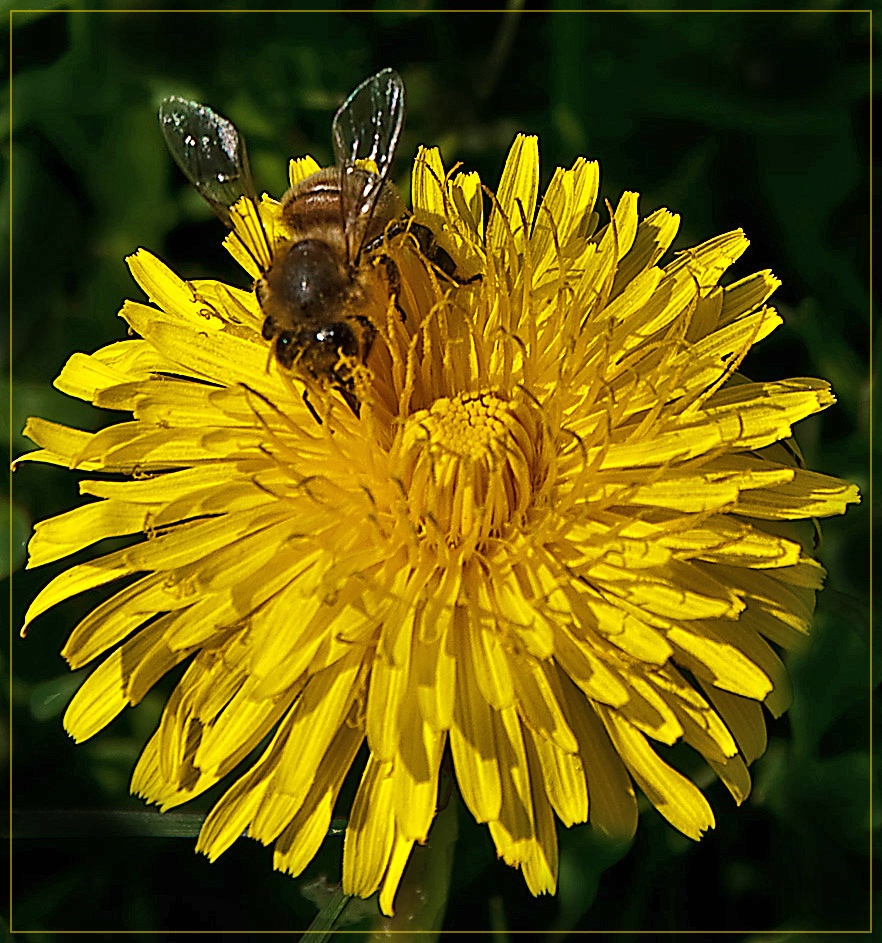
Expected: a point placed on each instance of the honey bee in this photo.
(315, 291)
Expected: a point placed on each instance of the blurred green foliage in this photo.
(732, 119)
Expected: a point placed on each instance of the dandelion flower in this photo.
(562, 530)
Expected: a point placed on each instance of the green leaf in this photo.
(50, 698)
(584, 856)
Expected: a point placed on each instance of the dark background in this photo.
(732, 119)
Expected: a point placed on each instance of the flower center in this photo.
(470, 466)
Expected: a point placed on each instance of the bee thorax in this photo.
(309, 277)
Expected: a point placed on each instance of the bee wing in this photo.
(210, 151)
(367, 127)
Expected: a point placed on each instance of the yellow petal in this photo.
(678, 800)
(370, 836)
(517, 194)
(67, 533)
(472, 743)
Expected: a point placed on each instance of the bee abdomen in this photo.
(314, 204)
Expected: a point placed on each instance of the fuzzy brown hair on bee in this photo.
(313, 296)
(317, 290)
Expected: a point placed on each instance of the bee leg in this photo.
(429, 247)
(438, 256)
(393, 277)
(351, 400)
(345, 386)
(370, 332)
(425, 240)
(348, 397)
(311, 408)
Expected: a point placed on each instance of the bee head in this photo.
(318, 350)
